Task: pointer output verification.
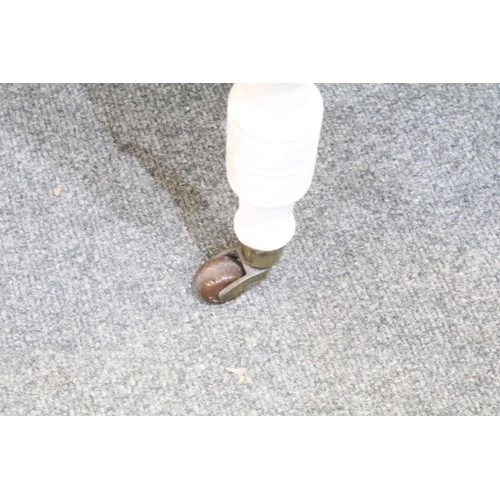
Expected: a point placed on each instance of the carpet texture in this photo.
(386, 302)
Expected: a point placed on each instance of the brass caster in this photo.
(215, 275)
(231, 272)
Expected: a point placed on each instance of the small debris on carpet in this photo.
(241, 374)
(173, 279)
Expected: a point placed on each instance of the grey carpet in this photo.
(386, 302)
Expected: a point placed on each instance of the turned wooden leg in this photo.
(272, 139)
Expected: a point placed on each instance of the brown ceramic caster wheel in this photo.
(215, 275)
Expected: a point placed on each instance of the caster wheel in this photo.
(215, 275)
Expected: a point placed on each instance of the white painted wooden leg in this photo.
(272, 139)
